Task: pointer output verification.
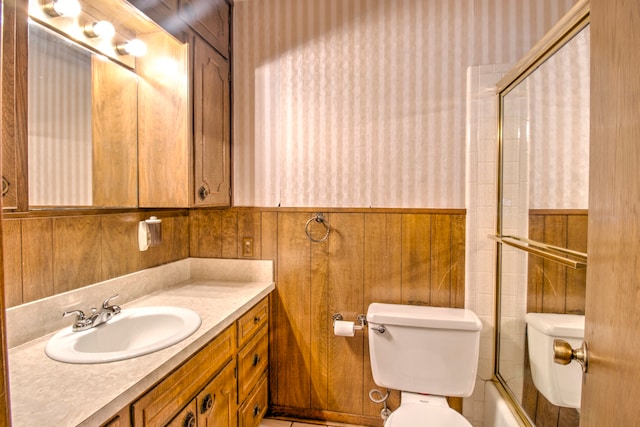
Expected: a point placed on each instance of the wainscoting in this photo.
(46, 254)
(412, 256)
(384, 255)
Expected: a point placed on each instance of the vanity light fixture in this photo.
(135, 47)
(67, 8)
(102, 29)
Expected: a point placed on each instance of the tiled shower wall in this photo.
(481, 218)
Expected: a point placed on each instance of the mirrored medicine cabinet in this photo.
(92, 107)
(543, 186)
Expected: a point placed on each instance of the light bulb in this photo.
(133, 47)
(69, 8)
(103, 29)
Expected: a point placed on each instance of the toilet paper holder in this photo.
(361, 319)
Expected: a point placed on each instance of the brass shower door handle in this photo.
(563, 354)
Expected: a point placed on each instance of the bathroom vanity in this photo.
(218, 372)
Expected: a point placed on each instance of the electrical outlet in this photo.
(247, 246)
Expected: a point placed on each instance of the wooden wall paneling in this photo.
(320, 312)
(345, 290)
(205, 233)
(382, 283)
(555, 283)
(229, 227)
(416, 259)
(269, 251)
(546, 413)
(292, 333)
(458, 236)
(120, 253)
(249, 225)
(441, 264)
(76, 251)
(535, 266)
(38, 259)
(269, 238)
(12, 245)
(576, 279)
(175, 241)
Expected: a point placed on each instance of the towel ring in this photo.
(319, 217)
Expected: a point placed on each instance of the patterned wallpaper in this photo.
(358, 103)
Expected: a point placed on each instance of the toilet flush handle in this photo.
(563, 354)
(380, 329)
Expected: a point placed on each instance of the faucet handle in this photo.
(107, 306)
(105, 303)
(79, 313)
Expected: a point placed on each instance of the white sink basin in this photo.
(132, 333)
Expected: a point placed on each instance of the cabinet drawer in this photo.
(252, 362)
(254, 409)
(168, 397)
(252, 321)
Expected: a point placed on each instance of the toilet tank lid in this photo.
(557, 325)
(423, 316)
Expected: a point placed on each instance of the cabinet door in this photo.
(210, 19)
(217, 401)
(186, 417)
(211, 123)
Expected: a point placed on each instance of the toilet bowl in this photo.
(425, 410)
(426, 353)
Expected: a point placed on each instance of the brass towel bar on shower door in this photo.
(567, 257)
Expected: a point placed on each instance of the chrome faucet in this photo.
(96, 318)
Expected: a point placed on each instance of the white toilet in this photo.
(427, 353)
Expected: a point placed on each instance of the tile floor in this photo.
(269, 422)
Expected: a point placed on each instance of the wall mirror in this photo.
(82, 126)
(542, 203)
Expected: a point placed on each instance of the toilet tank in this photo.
(560, 384)
(431, 350)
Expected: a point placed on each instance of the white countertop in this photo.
(45, 392)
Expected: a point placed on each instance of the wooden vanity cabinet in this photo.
(167, 400)
(225, 384)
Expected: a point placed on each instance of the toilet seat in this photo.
(423, 415)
